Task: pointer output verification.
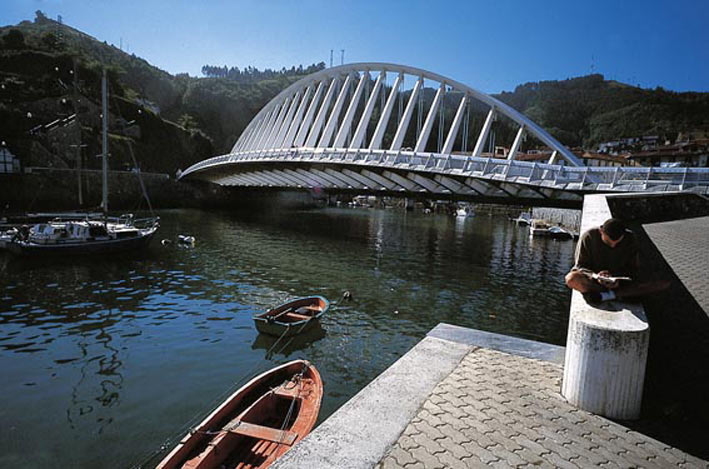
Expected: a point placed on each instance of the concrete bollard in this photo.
(606, 354)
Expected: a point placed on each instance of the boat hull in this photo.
(238, 431)
(285, 330)
(109, 246)
(292, 318)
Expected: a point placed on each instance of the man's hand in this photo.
(602, 278)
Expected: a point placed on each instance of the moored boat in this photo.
(83, 236)
(541, 228)
(80, 234)
(293, 317)
(257, 424)
(464, 212)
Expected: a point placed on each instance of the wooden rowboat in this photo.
(293, 317)
(257, 424)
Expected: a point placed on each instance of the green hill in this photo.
(49, 71)
(587, 110)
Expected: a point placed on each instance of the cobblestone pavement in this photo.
(502, 411)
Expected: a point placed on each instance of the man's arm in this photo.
(584, 256)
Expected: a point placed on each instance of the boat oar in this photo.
(282, 313)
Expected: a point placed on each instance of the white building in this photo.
(8, 162)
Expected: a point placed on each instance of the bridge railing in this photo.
(600, 178)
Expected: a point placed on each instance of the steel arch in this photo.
(319, 125)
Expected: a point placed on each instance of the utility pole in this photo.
(331, 58)
(342, 56)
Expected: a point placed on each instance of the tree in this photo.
(14, 39)
(49, 39)
(188, 122)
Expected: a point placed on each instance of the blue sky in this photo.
(488, 45)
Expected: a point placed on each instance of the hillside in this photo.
(587, 110)
(50, 71)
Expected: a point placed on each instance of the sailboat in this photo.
(87, 234)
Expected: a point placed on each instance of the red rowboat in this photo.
(255, 425)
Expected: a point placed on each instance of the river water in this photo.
(104, 360)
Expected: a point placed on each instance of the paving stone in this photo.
(428, 460)
(511, 457)
(451, 421)
(481, 439)
(455, 435)
(427, 443)
(451, 461)
(559, 461)
(481, 453)
(406, 442)
(531, 445)
(474, 462)
(429, 418)
(454, 448)
(416, 465)
(634, 460)
(500, 410)
(402, 457)
(501, 464)
(530, 456)
(504, 442)
(433, 408)
(389, 463)
(429, 430)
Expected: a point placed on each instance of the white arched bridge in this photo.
(370, 128)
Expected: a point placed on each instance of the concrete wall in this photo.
(569, 218)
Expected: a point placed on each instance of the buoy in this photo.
(186, 240)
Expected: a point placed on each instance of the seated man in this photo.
(604, 253)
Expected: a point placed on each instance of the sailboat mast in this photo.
(104, 147)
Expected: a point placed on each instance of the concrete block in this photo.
(606, 354)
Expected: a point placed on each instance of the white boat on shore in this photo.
(542, 228)
(464, 212)
(524, 218)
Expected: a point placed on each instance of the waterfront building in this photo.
(8, 162)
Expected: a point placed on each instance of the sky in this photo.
(491, 46)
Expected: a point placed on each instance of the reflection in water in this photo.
(287, 346)
(87, 396)
(109, 358)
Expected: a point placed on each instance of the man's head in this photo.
(612, 232)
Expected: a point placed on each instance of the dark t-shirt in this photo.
(595, 255)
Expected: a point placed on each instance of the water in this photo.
(102, 360)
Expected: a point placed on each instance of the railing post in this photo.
(534, 169)
(615, 176)
(485, 167)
